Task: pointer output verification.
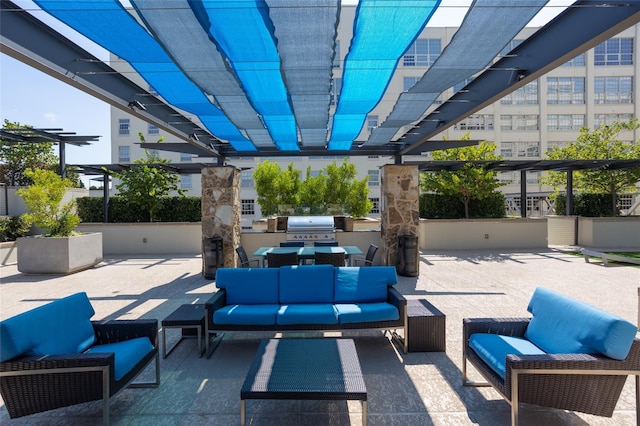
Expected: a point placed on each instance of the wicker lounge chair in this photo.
(589, 383)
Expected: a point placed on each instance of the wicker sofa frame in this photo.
(577, 382)
(33, 384)
(218, 300)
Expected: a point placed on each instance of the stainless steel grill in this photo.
(311, 228)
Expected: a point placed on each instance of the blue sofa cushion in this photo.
(564, 325)
(59, 327)
(309, 313)
(127, 354)
(366, 312)
(264, 314)
(362, 285)
(306, 284)
(494, 348)
(249, 286)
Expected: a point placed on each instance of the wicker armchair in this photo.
(578, 382)
(32, 384)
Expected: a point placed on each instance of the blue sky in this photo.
(31, 97)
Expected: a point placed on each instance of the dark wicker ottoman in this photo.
(425, 328)
(305, 369)
(189, 318)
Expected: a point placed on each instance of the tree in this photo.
(599, 144)
(471, 181)
(144, 184)
(44, 201)
(334, 185)
(18, 157)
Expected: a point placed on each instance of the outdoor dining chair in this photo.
(276, 260)
(368, 259)
(325, 244)
(292, 244)
(245, 262)
(335, 259)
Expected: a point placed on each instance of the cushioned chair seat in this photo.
(494, 348)
(127, 353)
(366, 312)
(264, 314)
(307, 313)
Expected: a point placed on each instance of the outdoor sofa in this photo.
(53, 356)
(569, 355)
(305, 298)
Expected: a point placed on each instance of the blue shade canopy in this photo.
(471, 49)
(383, 31)
(109, 25)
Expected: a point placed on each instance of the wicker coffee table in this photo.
(305, 369)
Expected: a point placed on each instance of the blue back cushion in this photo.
(563, 325)
(362, 285)
(249, 286)
(306, 284)
(60, 327)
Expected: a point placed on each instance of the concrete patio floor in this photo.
(403, 389)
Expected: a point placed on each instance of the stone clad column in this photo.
(221, 208)
(400, 193)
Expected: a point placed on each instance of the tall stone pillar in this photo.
(221, 208)
(400, 215)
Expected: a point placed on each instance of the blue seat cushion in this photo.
(308, 313)
(60, 327)
(306, 284)
(494, 348)
(564, 325)
(128, 353)
(249, 286)
(366, 312)
(264, 314)
(368, 284)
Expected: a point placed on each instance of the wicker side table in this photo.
(190, 319)
(425, 328)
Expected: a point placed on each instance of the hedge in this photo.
(436, 206)
(173, 209)
(585, 205)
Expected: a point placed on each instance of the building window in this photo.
(185, 182)
(613, 90)
(565, 90)
(376, 205)
(185, 157)
(123, 126)
(526, 95)
(578, 61)
(520, 149)
(509, 47)
(519, 122)
(248, 207)
(551, 145)
(124, 154)
(607, 119)
(475, 122)
(422, 53)
(336, 87)
(372, 122)
(153, 130)
(374, 177)
(615, 51)
(565, 121)
(246, 179)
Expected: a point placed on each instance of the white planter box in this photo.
(59, 255)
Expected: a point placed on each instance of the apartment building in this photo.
(593, 89)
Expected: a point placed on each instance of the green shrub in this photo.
(585, 205)
(172, 209)
(13, 227)
(436, 206)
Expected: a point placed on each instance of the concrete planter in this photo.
(59, 255)
(609, 232)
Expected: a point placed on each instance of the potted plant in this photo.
(60, 250)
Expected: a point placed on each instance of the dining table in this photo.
(308, 252)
